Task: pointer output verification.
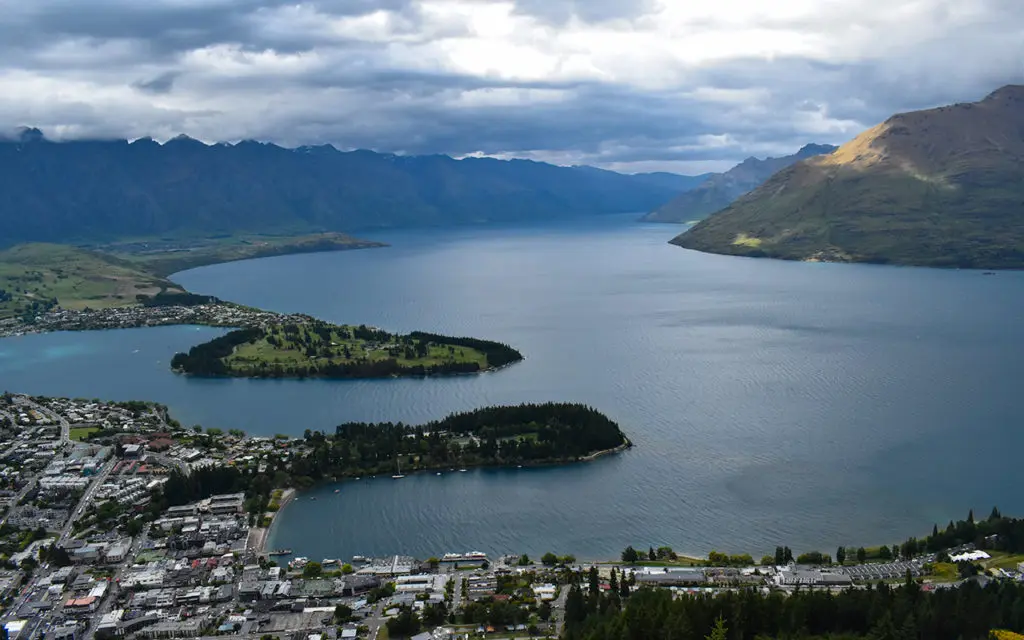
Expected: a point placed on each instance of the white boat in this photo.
(399, 474)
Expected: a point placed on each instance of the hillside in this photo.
(36, 277)
(107, 190)
(942, 187)
(719, 190)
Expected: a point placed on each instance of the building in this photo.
(227, 503)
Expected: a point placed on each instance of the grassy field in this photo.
(164, 256)
(944, 572)
(294, 350)
(32, 276)
(81, 433)
(1003, 560)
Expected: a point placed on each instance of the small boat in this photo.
(337, 491)
(397, 476)
(438, 473)
(462, 471)
(280, 552)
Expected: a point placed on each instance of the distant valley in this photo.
(942, 187)
(717, 191)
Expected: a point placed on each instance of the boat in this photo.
(337, 491)
(462, 471)
(438, 473)
(280, 552)
(398, 475)
(313, 498)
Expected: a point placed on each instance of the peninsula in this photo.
(313, 348)
(936, 188)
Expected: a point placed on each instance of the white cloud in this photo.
(627, 84)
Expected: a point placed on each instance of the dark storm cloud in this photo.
(561, 11)
(162, 83)
(169, 26)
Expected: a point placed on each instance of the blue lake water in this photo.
(771, 402)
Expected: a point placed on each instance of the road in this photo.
(87, 497)
(558, 610)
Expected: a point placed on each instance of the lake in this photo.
(770, 402)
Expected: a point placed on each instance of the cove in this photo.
(770, 402)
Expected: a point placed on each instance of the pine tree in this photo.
(719, 632)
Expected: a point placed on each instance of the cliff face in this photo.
(940, 187)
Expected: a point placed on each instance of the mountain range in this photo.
(109, 189)
(719, 190)
(939, 187)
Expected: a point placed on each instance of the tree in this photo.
(884, 552)
(841, 555)
(651, 555)
(767, 561)
(630, 555)
(347, 569)
(312, 570)
(544, 611)
(719, 632)
(575, 610)
(549, 559)
(342, 613)
(862, 555)
(405, 624)
(524, 560)
(789, 555)
(995, 515)
(780, 556)
(594, 581)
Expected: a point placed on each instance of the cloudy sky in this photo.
(633, 85)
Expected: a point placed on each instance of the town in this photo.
(213, 313)
(91, 547)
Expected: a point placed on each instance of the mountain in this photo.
(719, 190)
(108, 189)
(941, 187)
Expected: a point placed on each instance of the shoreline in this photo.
(628, 444)
(260, 536)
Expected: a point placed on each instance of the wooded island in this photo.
(319, 349)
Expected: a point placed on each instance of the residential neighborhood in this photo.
(91, 548)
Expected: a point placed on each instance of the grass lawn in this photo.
(35, 274)
(340, 349)
(81, 433)
(944, 572)
(1003, 560)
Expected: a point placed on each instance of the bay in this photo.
(771, 402)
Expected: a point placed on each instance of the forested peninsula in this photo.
(526, 434)
(316, 349)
